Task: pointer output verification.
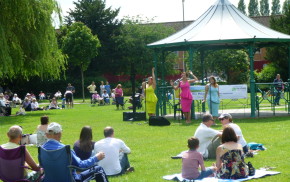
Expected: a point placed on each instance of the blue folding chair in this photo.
(57, 165)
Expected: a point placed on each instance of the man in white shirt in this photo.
(208, 137)
(227, 120)
(116, 161)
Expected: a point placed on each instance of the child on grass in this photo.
(192, 160)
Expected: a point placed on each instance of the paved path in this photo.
(242, 113)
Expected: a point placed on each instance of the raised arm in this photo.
(192, 80)
(172, 84)
(153, 77)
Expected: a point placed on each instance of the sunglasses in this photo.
(221, 119)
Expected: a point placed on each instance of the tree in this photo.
(242, 6)
(253, 8)
(276, 7)
(264, 7)
(231, 65)
(103, 23)
(279, 55)
(28, 41)
(81, 46)
(285, 5)
(135, 34)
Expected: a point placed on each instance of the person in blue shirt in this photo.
(108, 88)
(53, 134)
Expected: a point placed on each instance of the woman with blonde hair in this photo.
(185, 95)
(212, 97)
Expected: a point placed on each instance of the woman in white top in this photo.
(41, 129)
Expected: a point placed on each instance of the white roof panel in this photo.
(222, 21)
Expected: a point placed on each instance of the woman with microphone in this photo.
(185, 95)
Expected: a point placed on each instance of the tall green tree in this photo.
(285, 6)
(28, 41)
(81, 46)
(279, 55)
(103, 22)
(253, 8)
(264, 7)
(242, 6)
(276, 7)
(232, 65)
(135, 34)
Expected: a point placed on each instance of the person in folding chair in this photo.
(13, 173)
(54, 133)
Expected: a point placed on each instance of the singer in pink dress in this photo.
(185, 95)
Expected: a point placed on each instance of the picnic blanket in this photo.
(258, 174)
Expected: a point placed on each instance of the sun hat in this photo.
(54, 127)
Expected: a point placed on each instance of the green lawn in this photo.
(152, 147)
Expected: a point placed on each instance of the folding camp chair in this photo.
(57, 165)
(12, 164)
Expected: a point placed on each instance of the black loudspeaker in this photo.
(158, 121)
(139, 116)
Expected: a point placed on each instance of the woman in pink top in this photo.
(185, 95)
(119, 96)
(192, 160)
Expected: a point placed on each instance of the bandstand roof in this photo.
(222, 25)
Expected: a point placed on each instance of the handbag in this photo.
(251, 168)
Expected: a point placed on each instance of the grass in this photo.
(152, 147)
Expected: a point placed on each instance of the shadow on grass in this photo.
(17, 120)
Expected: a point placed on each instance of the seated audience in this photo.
(41, 130)
(84, 146)
(28, 96)
(192, 160)
(41, 95)
(16, 100)
(106, 97)
(35, 105)
(229, 157)
(57, 95)
(54, 133)
(116, 161)
(227, 120)
(95, 97)
(26, 105)
(53, 104)
(208, 138)
(6, 96)
(15, 134)
(5, 108)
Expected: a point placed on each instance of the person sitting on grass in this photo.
(106, 97)
(35, 105)
(85, 145)
(53, 134)
(41, 130)
(26, 104)
(53, 104)
(229, 157)
(192, 160)
(95, 97)
(15, 134)
(227, 120)
(208, 137)
(116, 161)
